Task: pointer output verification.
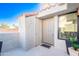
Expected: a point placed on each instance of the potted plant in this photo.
(75, 46)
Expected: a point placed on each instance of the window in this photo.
(67, 25)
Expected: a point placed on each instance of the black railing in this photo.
(68, 44)
(0, 46)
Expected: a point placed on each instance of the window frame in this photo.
(58, 23)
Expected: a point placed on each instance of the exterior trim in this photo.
(68, 13)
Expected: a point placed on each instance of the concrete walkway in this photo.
(37, 51)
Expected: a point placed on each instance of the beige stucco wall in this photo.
(21, 21)
(30, 32)
(38, 32)
(58, 43)
(33, 31)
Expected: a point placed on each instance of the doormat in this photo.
(45, 45)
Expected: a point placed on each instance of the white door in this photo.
(48, 31)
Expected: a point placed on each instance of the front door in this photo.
(48, 31)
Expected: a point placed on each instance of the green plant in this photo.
(74, 42)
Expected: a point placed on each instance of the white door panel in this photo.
(48, 31)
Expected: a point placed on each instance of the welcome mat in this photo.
(46, 46)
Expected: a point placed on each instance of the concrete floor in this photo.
(37, 51)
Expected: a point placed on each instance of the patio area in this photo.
(37, 51)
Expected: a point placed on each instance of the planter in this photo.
(73, 52)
